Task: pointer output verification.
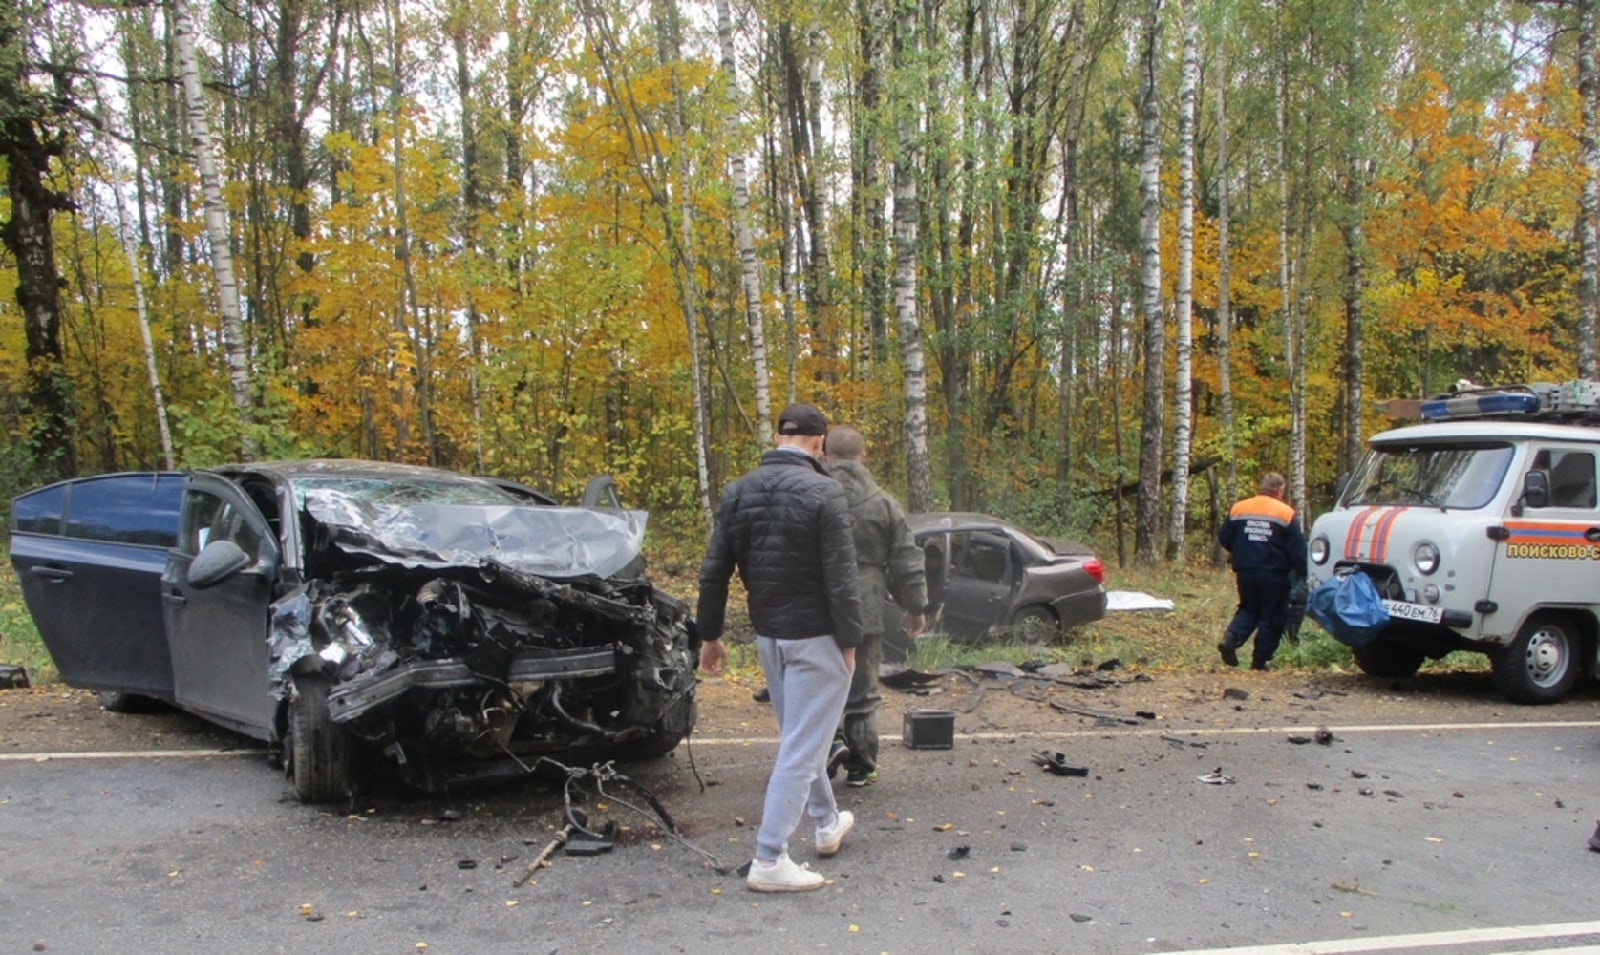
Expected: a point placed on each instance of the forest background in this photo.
(1047, 254)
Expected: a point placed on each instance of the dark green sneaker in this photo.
(860, 777)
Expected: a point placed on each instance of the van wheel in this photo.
(1035, 626)
(1388, 659)
(1541, 665)
(316, 752)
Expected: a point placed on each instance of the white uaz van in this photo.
(1481, 530)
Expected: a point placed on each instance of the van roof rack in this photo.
(1570, 402)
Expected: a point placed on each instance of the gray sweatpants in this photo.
(808, 682)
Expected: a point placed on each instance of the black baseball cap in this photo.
(802, 419)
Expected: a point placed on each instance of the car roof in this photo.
(956, 520)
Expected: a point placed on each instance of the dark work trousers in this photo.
(861, 708)
(1263, 609)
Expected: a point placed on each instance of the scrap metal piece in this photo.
(1215, 778)
(1057, 763)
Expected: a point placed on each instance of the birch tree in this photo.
(1224, 305)
(1589, 198)
(919, 479)
(749, 265)
(1183, 299)
(217, 231)
(1147, 521)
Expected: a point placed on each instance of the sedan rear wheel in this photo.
(1035, 626)
(1542, 664)
(317, 751)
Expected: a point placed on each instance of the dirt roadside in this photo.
(56, 719)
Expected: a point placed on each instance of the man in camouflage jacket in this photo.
(891, 567)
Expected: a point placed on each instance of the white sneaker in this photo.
(829, 838)
(783, 875)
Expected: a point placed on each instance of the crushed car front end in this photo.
(462, 641)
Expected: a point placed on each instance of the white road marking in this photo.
(990, 736)
(1475, 936)
(129, 754)
(1198, 732)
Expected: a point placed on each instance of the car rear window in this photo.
(126, 509)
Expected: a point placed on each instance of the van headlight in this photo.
(1319, 550)
(1426, 557)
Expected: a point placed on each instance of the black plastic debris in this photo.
(1080, 919)
(13, 677)
(1234, 693)
(762, 695)
(1299, 740)
(905, 678)
(1323, 736)
(959, 853)
(1057, 763)
(466, 863)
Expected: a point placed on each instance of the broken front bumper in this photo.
(360, 695)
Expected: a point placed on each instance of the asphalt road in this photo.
(1393, 832)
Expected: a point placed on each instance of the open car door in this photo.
(217, 628)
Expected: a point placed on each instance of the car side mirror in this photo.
(1536, 489)
(216, 562)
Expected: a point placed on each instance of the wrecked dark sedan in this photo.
(986, 576)
(359, 614)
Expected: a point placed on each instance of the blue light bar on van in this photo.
(1477, 406)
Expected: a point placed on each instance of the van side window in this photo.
(126, 509)
(1572, 481)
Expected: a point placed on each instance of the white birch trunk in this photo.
(1589, 199)
(919, 482)
(1148, 519)
(217, 233)
(1182, 415)
(1224, 307)
(749, 267)
(1280, 96)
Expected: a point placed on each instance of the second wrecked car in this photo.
(452, 627)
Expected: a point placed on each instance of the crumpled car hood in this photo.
(555, 542)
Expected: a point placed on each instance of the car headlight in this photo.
(1319, 550)
(1426, 557)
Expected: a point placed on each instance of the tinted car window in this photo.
(126, 509)
(40, 511)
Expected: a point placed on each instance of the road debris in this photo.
(1215, 778)
(1057, 763)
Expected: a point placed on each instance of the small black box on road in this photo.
(930, 729)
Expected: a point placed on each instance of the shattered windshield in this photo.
(424, 523)
(1434, 475)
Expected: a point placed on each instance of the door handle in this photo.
(1592, 535)
(52, 573)
(175, 598)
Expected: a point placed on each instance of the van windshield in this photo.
(1434, 475)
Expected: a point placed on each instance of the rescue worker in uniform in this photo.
(1267, 551)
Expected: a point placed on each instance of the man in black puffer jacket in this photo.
(785, 526)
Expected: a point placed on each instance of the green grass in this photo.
(19, 641)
